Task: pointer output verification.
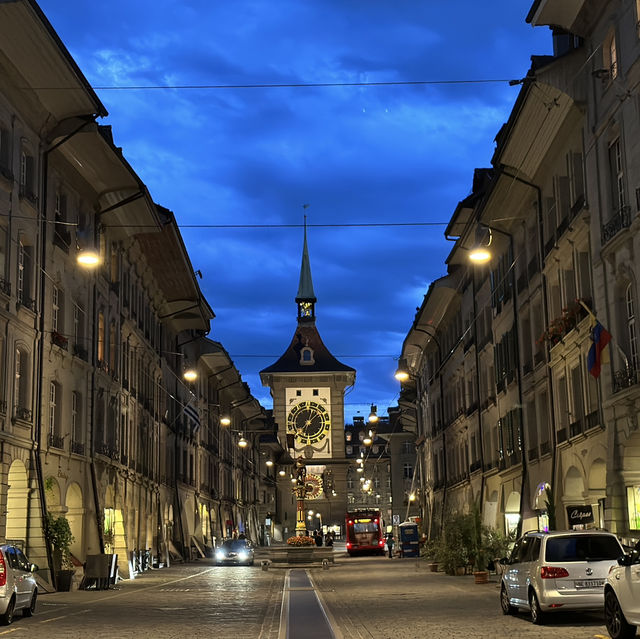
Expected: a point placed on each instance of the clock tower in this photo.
(307, 386)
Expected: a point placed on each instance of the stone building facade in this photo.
(97, 421)
(509, 414)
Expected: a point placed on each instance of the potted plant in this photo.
(455, 544)
(478, 547)
(57, 532)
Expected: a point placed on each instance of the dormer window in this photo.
(306, 356)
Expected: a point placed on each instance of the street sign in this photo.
(396, 520)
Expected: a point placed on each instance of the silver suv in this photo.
(622, 597)
(18, 589)
(558, 571)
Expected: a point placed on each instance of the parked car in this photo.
(18, 588)
(559, 570)
(235, 551)
(622, 597)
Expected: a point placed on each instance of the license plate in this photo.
(589, 583)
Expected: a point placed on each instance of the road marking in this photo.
(6, 632)
(71, 614)
(142, 589)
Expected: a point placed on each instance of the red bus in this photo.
(365, 532)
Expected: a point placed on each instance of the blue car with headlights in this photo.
(235, 551)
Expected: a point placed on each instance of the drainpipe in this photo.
(441, 414)
(554, 443)
(44, 176)
(477, 358)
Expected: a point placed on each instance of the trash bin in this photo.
(409, 541)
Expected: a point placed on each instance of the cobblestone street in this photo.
(362, 598)
(402, 599)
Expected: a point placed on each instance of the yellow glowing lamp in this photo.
(88, 258)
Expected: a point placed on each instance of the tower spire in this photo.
(306, 298)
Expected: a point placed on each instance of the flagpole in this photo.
(615, 342)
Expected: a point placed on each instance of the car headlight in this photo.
(243, 555)
(219, 554)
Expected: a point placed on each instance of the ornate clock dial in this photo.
(309, 421)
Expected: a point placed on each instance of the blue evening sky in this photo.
(356, 155)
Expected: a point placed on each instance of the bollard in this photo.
(325, 564)
(265, 564)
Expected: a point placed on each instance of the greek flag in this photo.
(192, 413)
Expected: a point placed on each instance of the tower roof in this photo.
(305, 287)
(307, 336)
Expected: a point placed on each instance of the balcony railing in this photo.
(591, 420)
(56, 441)
(62, 237)
(575, 428)
(625, 378)
(77, 447)
(23, 413)
(81, 352)
(620, 220)
(59, 340)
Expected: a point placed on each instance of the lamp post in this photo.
(480, 254)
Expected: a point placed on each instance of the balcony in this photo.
(77, 447)
(625, 378)
(522, 283)
(81, 352)
(575, 428)
(59, 340)
(620, 220)
(62, 237)
(23, 414)
(106, 450)
(476, 465)
(56, 441)
(559, 327)
(592, 420)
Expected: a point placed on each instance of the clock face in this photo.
(309, 421)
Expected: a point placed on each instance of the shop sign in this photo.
(579, 515)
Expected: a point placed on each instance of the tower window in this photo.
(315, 392)
(306, 356)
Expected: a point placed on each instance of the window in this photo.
(631, 327)
(408, 448)
(349, 450)
(57, 309)
(101, 337)
(616, 169)
(407, 471)
(27, 176)
(5, 161)
(54, 417)
(348, 437)
(112, 347)
(20, 384)
(612, 57)
(78, 328)
(76, 434)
